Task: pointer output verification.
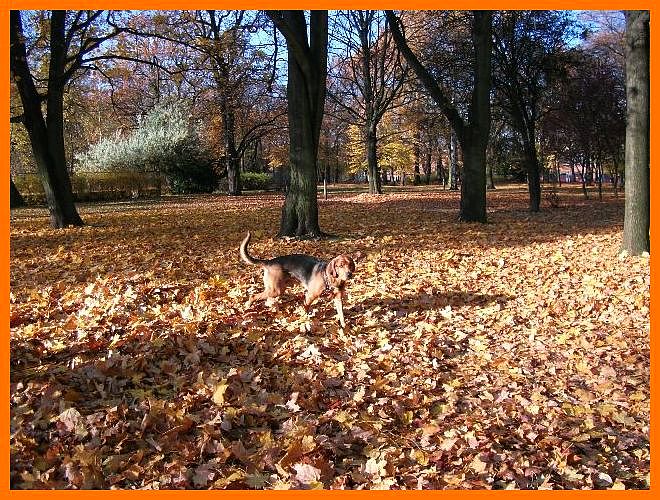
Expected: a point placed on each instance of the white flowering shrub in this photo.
(163, 142)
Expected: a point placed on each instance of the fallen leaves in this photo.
(510, 355)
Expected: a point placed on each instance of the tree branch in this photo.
(425, 77)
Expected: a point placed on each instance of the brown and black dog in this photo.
(316, 275)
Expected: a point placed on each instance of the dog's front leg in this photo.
(339, 307)
(310, 298)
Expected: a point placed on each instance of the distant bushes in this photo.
(165, 143)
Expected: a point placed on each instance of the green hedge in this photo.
(250, 181)
(96, 186)
(253, 181)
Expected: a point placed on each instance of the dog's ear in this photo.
(331, 269)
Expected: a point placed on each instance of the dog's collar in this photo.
(326, 279)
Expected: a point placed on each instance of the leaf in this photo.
(375, 467)
(306, 474)
(474, 355)
(477, 465)
(71, 421)
(203, 475)
(291, 403)
(219, 392)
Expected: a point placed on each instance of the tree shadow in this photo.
(456, 299)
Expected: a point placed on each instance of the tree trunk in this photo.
(440, 171)
(615, 184)
(583, 178)
(637, 172)
(533, 177)
(46, 135)
(453, 162)
(375, 183)
(416, 178)
(572, 179)
(489, 173)
(15, 198)
(473, 208)
(232, 161)
(306, 97)
(475, 137)
(427, 165)
(300, 210)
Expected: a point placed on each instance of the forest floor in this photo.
(513, 354)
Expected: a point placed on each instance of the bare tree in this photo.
(472, 134)
(527, 54)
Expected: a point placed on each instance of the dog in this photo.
(316, 275)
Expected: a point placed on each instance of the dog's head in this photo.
(341, 269)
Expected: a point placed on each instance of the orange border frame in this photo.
(301, 4)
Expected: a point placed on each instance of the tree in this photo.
(222, 36)
(367, 78)
(585, 122)
(472, 134)
(637, 210)
(228, 70)
(395, 151)
(307, 70)
(526, 54)
(46, 134)
(74, 37)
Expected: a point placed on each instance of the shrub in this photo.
(163, 142)
(28, 184)
(250, 181)
(254, 181)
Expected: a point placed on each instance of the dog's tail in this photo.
(247, 258)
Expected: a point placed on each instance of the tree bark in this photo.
(637, 172)
(440, 171)
(307, 67)
(416, 170)
(453, 162)
(489, 174)
(427, 164)
(46, 135)
(533, 177)
(15, 198)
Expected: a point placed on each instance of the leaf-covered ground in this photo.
(508, 355)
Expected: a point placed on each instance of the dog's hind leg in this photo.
(273, 289)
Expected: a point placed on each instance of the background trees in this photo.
(557, 98)
(527, 55)
(472, 133)
(367, 76)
